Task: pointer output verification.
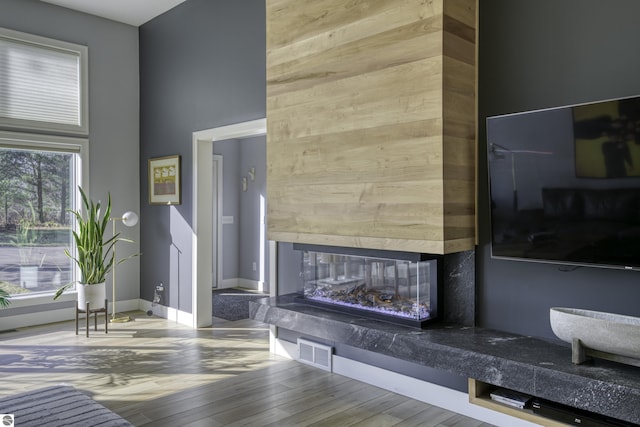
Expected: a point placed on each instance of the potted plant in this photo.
(95, 254)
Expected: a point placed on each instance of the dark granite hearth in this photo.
(459, 296)
(521, 363)
(232, 303)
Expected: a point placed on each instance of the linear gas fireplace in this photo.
(399, 287)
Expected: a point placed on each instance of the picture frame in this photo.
(165, 183)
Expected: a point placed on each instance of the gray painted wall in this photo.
(113, 112)
(241, 239)
(539, 54)
(253, 155)
(202, 66)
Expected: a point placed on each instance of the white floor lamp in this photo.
(129, 219)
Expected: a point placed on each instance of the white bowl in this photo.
(607, 332)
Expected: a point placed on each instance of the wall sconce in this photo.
(252, 173)
(244, 183)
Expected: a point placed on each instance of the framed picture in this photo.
(164, 181)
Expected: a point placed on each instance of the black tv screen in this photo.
(565, 184)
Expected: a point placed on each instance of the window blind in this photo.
(40, 83)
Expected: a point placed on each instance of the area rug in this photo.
(232, 303)
(57, 406)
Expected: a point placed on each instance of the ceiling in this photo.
(132, 12)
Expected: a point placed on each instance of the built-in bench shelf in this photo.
(514, 362)
(548, 414)
(479, 394)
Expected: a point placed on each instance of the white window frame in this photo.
(79, 146)
(35, 125)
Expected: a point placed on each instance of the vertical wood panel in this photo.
(371, 123)
(459, 117)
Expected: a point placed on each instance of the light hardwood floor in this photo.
(157, 373)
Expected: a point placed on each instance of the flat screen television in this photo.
(564, 184)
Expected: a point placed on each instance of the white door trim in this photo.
(202, 240)
(217, 219)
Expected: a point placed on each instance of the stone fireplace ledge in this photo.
(526, 364)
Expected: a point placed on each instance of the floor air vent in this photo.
(314, 354)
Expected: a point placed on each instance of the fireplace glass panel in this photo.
(391, 289)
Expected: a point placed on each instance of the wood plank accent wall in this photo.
(371, 121)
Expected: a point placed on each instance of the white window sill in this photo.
(19, 301)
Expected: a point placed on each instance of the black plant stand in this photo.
(95, 312)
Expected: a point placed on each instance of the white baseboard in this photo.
(52, 316)
(127, 305)
(165, 312)
(228, 283)
(433, 394)
(250, 284)
(238, 282)
(34, 319)
(423, 391)
(65, 314)
(282, 348)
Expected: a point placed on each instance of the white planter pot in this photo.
(29, 276)
(95, 295)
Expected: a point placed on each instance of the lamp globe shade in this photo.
(130, 218)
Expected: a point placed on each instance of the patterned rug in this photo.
(57, 406)
(232, 303)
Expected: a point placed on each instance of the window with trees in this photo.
(43, 89)
(37, 189)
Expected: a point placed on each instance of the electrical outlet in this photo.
(254, 266)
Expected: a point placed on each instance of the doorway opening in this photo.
(240, 258)
(203, 216)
